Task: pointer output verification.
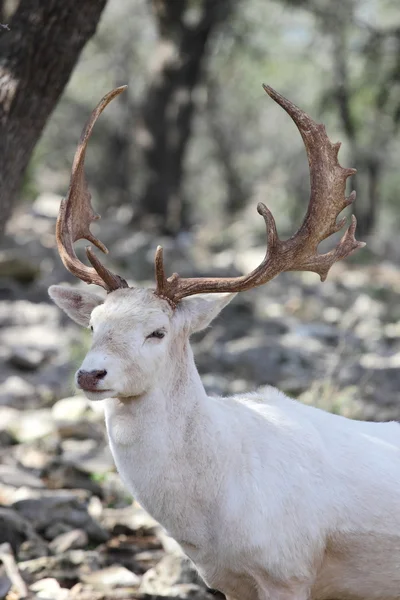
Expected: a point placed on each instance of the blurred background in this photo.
(182, 158)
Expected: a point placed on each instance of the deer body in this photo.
(268, 497)
(272, 500)
(285, 504)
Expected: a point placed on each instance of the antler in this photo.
(76, 214)
(300, 252)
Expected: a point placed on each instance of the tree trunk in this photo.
(366, 220)
(364, 208)
(37, 56)
(2, 24)
(168, 109)
(237, 191)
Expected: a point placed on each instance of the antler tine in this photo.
(327, 179)
(300, 252)
(76, 214)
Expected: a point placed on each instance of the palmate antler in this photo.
(76, 214)
(298, 253)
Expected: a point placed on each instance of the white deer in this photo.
(270, 499)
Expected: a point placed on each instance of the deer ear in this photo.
(77, 304)
(197, 312)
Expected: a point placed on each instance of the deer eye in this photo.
(158, 334)
(91, 328)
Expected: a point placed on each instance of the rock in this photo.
(32, 456)
(16, 265)
(71, 409)
(45, 511)
(41, 336)
(27, 359)
(82, 591)
(12, 529)
(304, 348)
(49, 589)
(148, 559)
(6, 439)
(33, 424)
(62, 475)
(14, 476)
(71, 540)
(261, 361)
(15, 530)
(89, 455)
(56, 530)
(80, 430)
(53, 380)
(82, 496)
(322, 331)
(8, 416)
(30, 550)
(15, 390)
(172, 570)
(114, 490)
(215, 385)
(65, 568)
(187, 591)
(95, 508)
(132, 518)
(22, 312)
(112, 577)
(5, 584)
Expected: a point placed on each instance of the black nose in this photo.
(99, 374)
(89, 379)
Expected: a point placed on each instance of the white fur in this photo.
(271, 499)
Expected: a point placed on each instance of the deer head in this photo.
(136, 331)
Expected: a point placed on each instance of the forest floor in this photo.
(68, 528)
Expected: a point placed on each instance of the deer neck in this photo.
(176, 397)
(159, 438)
